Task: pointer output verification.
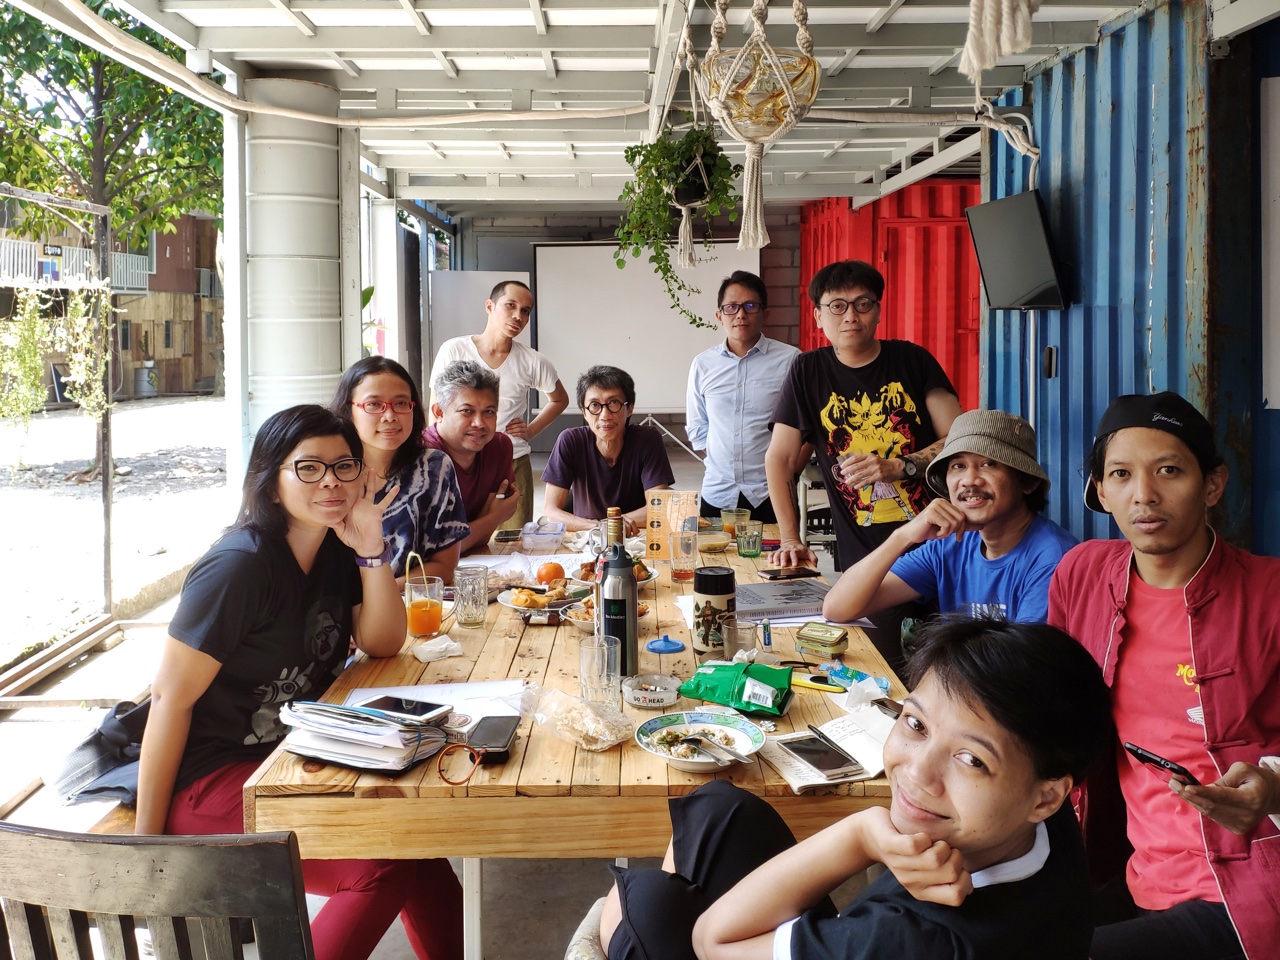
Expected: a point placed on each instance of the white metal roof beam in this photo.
(446, 65)
(549, 62)
(884, 16)
(598, 40)
(345, 65)
(926, 168)
(419, 21)
(302, 23)
(665, 67)
(843, 61)
(539, 19)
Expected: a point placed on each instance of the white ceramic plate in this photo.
(504, 598)
(653, 575)
(747, 737)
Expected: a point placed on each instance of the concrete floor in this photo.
(531, 908)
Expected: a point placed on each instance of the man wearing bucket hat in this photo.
(983, 547)
(1186, 629)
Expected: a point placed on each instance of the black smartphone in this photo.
(824, 758)
(495, 735)
(789, 573)
(421, 711)
(1162, 765)
(506, 536)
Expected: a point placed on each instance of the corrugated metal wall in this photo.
(918, 238)
(1121, 127)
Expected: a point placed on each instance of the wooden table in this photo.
(551, 800)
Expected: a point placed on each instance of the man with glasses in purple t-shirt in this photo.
(607, 463)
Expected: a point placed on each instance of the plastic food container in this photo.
(548, 536)
(651, 690)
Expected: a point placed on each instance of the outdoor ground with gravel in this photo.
(170, 500)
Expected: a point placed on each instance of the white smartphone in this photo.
(419, 711)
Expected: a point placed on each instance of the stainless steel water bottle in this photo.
(619, 605)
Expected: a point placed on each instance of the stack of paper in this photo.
(358, 736)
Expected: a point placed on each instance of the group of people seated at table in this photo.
(1054, 653)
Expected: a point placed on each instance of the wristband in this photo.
(384, 557)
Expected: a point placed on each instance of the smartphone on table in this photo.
(789, 573)
(506, 536)
(403, 708)
(823, 757)
(1161, 765)
(494, 735)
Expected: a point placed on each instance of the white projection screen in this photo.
(589, 312)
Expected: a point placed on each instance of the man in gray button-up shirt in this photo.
(732, 390)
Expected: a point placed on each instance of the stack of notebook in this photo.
(358, 736)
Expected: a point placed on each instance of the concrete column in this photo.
(294, 250)
(235, 303)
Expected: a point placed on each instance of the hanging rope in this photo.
(749, 107)
(997, 28)
(686, 58)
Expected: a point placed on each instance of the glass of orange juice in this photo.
(424, 598)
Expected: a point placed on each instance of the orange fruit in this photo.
(550, 571)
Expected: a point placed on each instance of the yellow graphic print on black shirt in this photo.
(884, 425)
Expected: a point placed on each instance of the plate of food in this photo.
(644, 573)
(661, 736)
(583, 615)
(553, 598)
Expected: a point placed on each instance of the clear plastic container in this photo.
(549, 536)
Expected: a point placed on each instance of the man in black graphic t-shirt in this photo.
(874, 411)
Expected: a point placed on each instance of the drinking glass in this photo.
(684, 555)
(424, 600)
(750, 534)
(471, 595)
(599, 668)
(739, 634)
(731, 519)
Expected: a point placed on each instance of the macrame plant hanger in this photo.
(684, 248)
(758, 94)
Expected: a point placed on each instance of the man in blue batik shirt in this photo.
(983, 547)
(731, 394)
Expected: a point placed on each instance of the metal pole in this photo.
(101, 231)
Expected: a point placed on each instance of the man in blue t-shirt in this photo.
(982, 548)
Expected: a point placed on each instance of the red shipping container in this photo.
(918, 238)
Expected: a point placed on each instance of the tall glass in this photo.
(600, 669)
(471, 595)
(684, 556)
(739, 634)
(424, 602)
(731, 519)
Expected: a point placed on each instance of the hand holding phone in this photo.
(1167, 768)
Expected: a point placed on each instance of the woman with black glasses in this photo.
(608, 462)
(427, 514)
(267, 616)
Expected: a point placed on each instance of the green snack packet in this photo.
(751, 687)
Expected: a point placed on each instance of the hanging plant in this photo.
(24, 339)
(83, 335)
(677, 180)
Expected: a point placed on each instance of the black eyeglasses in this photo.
(839, 307)
(376, 407)
(613, 406)
(313, 471)
(731, 309)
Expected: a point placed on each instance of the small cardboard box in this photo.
(668, 512)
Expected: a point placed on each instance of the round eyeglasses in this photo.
(376, 407)
(731, 309)
(839, 307)
(313, 471)
(613, 406)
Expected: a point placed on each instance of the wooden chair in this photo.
(190, 891)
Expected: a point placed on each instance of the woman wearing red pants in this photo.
(266, 616)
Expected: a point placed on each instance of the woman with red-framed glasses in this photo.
(426, 515)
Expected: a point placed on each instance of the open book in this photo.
(861, 734)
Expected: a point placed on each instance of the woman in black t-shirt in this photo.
(267, 616)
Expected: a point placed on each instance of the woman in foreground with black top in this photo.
(267, 616)
(984, 854)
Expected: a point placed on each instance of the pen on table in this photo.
(831, 743)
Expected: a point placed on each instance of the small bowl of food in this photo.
(583, 615)
(714, 541)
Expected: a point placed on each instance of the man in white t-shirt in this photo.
(519, 369)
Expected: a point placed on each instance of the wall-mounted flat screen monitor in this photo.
(1015, 254)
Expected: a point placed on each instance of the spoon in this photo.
(699, 744)
(696, 743)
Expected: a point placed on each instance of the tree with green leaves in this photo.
(75, 123)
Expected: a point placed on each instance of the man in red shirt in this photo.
(1186, 629)
(465, 425)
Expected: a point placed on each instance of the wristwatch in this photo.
(909, 468)
(378, 561)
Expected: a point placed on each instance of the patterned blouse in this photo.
(427, 514)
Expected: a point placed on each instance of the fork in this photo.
(696, 743)
(702, 743)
